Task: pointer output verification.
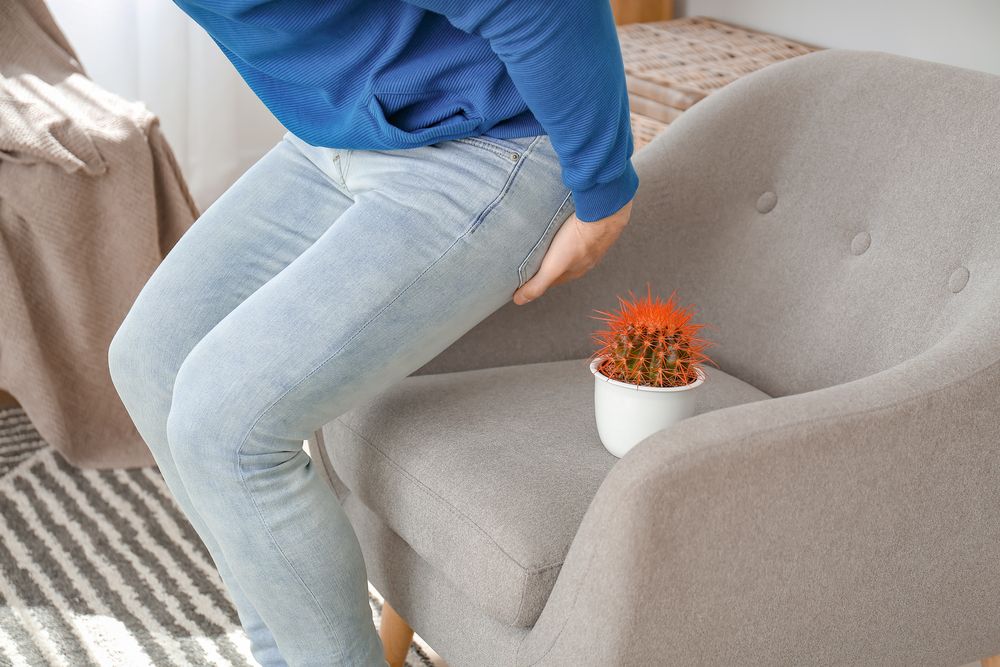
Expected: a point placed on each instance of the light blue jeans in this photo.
(319, 279)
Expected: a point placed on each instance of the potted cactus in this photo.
(646, 369)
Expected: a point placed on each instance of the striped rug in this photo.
(101, 568)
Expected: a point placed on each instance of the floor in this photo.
(101, 568)
(436, 660)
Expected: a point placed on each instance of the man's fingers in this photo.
(546, 276)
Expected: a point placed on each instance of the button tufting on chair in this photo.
(958, 280)
(767, 202)
(861, 243)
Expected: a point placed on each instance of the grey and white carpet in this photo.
(101, 568)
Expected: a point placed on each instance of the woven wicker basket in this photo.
(671, 65)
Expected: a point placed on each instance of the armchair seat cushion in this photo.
(487, 473)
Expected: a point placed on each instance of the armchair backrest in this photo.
(831, 215)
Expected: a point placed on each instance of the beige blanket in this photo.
(91, 199)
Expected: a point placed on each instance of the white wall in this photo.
(965, 33)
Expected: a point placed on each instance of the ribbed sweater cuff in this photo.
(603, 199)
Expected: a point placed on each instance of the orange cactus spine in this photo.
(650, 342)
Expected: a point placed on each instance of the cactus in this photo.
(650, 342)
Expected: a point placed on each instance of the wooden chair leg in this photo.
(991, 662)
(396, 635)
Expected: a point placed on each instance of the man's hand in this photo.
(575, 249)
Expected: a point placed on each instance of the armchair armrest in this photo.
(855, 524)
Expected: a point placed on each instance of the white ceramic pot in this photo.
(627, 413)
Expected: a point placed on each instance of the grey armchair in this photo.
(836, 500)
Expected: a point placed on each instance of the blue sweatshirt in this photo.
(384, 74)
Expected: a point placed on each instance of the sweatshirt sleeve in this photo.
(565, 60)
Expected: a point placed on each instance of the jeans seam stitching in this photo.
(239, 473)
(496, 149)
(237, 460)
(506, 187)
(341, 187)
(345, 164)
(520, 269)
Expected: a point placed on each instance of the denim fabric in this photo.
(319, 279)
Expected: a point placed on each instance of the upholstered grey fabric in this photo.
(429, 600)
(849, 143)
(487, 473)
(852, 519)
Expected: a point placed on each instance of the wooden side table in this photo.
(637, 11)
